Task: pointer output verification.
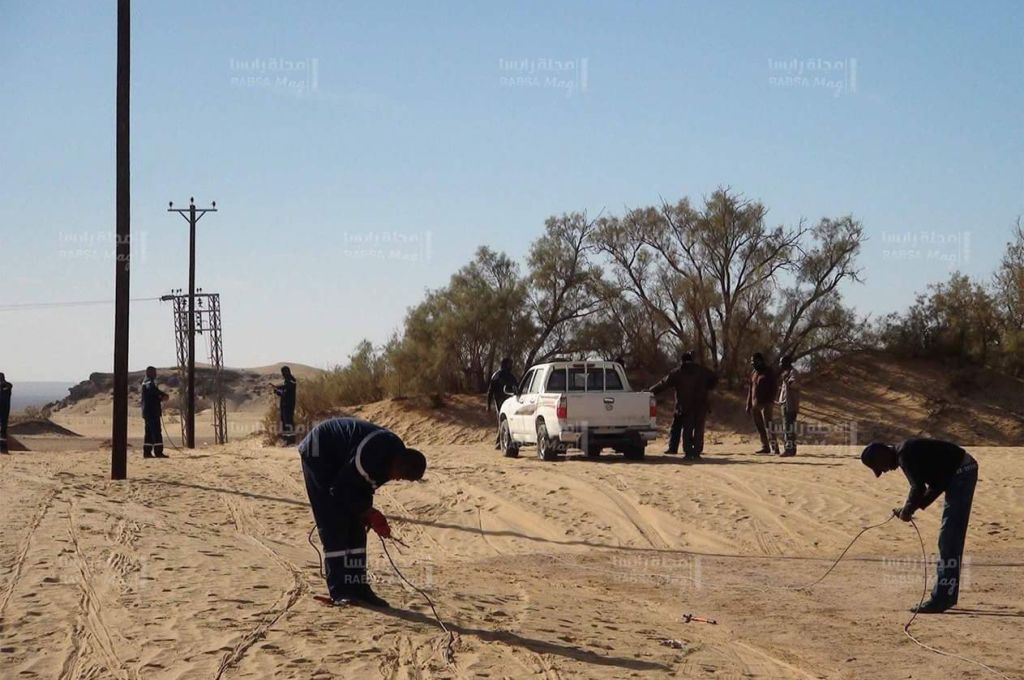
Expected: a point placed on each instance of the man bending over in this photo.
(344, 461)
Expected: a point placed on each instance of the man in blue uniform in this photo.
(344, 460)
(152, 400)
(5, 410)
(286, 392)
(934, 467)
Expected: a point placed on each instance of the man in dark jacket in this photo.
(152, 410)
(344, 460)
(286, 392)
(934, 467)
(692, 384)
(760, 400)
(502, 385)
(5, 410)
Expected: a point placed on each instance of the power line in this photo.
(25, 306)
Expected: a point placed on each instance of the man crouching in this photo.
(344, 460)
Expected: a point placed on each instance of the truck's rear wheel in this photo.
(508, 445)
(634, 452)
(545, 449)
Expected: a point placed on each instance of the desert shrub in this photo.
(268, 433)
(37, 412)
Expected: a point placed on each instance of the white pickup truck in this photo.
(586, 405)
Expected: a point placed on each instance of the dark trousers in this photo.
(288, 425)
(675, 432)
(956, 513)
(688, 426)
(789, 428)
(342, 535)
(498, 403)
(4, 416)
(153, 444)
(765, 426)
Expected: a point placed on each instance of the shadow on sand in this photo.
(535, 646)
(985, 612)
(666, 459)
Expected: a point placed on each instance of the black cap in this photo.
(869, 456)
(415, 463)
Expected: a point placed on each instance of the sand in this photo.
(198, 567)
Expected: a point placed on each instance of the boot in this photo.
(932, 606)
(363, 594)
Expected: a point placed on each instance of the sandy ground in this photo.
(198, 567)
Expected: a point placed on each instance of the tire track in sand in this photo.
(22, 555)
(90, 616)
(535, 663)
(630, 509)
(287, 600)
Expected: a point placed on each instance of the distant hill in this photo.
(244, 388)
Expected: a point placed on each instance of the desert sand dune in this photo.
(199, 567)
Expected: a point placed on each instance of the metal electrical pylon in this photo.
(204, 319)
(192, 214)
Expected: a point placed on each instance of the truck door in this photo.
(517, 419)
(531, 402)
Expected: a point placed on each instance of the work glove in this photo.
(376, 520)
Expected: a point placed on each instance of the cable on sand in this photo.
(449, 651)
(924, 594)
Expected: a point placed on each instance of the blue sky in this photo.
(317, 125)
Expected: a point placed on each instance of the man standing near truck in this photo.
(789, 400)
(5, 411)
(760, 400)
(501, 387)
(692, 384)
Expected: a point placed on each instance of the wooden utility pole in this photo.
(191, 215)
(122, 266)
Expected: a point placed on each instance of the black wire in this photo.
(843, 554)
(168, 434)
(449, 654)
(78, 303)
(924, 593)
(309, 539)
(924, 584)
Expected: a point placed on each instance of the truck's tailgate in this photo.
(609, 409)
